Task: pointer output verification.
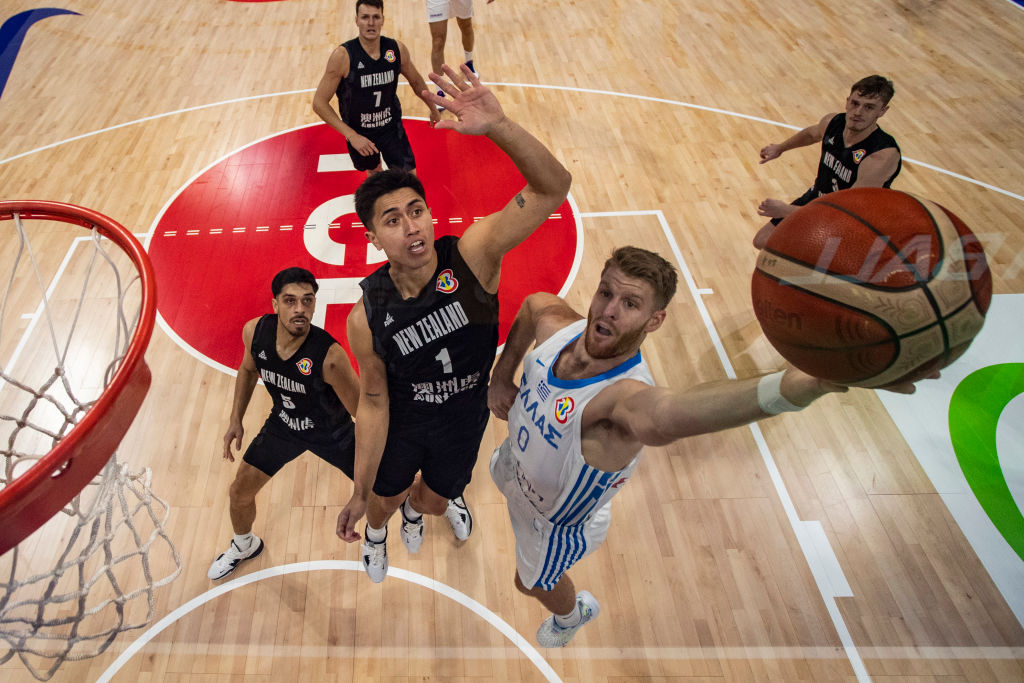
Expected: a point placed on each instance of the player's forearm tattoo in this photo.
(520, 202)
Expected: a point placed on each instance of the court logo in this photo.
(287, 200)
(446, 282)
(13, 32)
(858, 155)
(563, 409)
(390, 56)
(305, 366)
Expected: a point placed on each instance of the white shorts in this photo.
(442, 10)
(543, 551)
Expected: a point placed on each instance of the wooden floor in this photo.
(658, 108)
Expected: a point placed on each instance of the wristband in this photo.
(770, 398)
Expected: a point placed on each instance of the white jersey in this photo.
(544, 430)
(558, 504)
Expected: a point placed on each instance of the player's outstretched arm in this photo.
(245, 382)
(540, 315)
(478, 112)
(371, 425)
(802, 138)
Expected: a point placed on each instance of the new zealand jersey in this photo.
(544, 427)
(367, 98)
(439, 346)
(303, 402)
(837, 168)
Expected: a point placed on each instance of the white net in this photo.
(67, 318)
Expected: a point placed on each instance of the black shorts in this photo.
(276, 446)
(444, 452)
(803, 199)
(392, 144)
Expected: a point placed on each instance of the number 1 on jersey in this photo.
(446, 360)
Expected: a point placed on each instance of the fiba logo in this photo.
(446, 282)
(563, 408)
(288, 200)
(305, 366)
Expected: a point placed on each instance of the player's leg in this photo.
(396, 473)
(463, 10)
(448, 469)
(264, 457)
(569, 611)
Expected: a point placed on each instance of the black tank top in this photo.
(303, 402)
(367, 98)
(837, 168)
(439, 346)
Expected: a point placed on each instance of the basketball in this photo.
(870, 287)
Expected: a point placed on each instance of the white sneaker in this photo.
(460, 518)
(411, 532)
(551, 634)
(229, 559)
(375, 559)
(440, 93)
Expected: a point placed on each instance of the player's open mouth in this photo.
(602, 330)
(417, 246)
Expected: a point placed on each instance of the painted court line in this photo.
(332, 565)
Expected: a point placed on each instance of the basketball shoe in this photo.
(375, 558)
(460, 518)
(411, 532)
(550, 634)
(229, 559)
(440, 93)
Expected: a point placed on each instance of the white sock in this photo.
(469, 56)
(571, 619)
(243, 541)
(376, 535)
(409, 512)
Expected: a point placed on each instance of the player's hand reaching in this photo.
(769, 152)
(349, 517)
(235, 433)
(774, 208)
(476, 109)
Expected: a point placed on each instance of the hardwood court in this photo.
(658, 109)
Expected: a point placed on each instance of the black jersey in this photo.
(303, 401)
(367, 97)
(837, 168)
(439, 346)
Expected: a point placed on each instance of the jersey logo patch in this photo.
(388, 320)
(360, 66)
(263, 355)
(446, 282)
(305, 366)
(858, 155)
(390, 56)
(563, 408)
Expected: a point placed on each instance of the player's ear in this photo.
(273, 302)
(655, 322)
(371, 237)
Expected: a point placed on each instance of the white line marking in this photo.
(332, 565)
(818, 553)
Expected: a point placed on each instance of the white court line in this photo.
(34, 317)
(589, 91)
(333, 565)
(828, 574)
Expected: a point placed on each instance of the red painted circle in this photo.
(219, 242)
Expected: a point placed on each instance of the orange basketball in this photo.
(869, 287)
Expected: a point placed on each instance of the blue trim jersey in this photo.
(542, 470)
(367, 96)
(304, 403)
(838, 164)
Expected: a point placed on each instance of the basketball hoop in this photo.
(71, 382)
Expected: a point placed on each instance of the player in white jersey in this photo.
(585, 407)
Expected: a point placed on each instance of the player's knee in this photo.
(241, 492)
(519, 585)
